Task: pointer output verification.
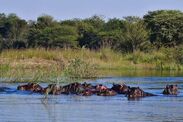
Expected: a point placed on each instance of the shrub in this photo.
(78, 68)
(178, 55)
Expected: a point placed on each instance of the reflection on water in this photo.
(142, 73)
(19, 106)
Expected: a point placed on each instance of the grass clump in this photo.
(80, 69)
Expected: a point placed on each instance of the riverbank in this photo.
(46, 65)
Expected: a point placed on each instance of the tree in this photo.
(33, 37)
(132, 19)
(13, 30)
(50, 37)
(135, 35)
(48, 33)
(45, 21)
(114, 24)
(64, 36)
(90, 40)
(88, 34)
(112, 39)
(1, 43)
(166, 27)
(73, 22)
(96, 21)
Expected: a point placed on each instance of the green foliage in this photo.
(90, 40)
(178, 54)
(166, 27)
(135, 35)
(132, 19)
(162, 28)
(63, 36)
(112, 39)
(45, 21)
(130, 36)
(1, 43)
(96, 21)
(88, 30)
(114, 24)
(80, 69)
(13, 30)
(53, 36)
(4, 67)
(33, 37)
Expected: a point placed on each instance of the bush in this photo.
(1, 43)
(78, 68)
(178, 55)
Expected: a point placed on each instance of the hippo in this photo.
(100, 87)
(86, 93)
(102, 90)
(87, 86)
(120, 88)
(72, 88)
(170, 90)
(34, 87)
(136, 92)
(53, 89)
(86, 89)
(77, 88)
(108, 92)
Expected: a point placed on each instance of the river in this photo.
(18, 106)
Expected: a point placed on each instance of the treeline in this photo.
(162, 28)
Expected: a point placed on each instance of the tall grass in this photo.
(42, 65)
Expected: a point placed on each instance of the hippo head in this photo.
(53, 89)
(135, 92)
(100, 87)
(75, 84)
(108, 92)
(86, 93)
(120, 88)
(27, 86)
(36, 87)
(87, 85)
(171, 90)
(30, 87)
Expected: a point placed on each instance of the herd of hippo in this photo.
(87, 89)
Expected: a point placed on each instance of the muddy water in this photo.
(17, 106)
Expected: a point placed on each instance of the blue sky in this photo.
(68, 9)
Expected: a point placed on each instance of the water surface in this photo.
(18, 106)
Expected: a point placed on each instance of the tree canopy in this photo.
(161, 28)
(166, 27)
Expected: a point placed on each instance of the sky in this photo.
(69, 9)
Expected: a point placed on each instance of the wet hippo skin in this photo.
(171, 90)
